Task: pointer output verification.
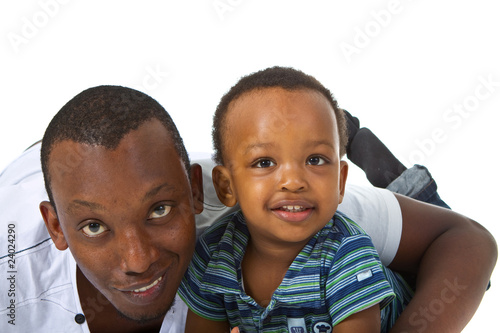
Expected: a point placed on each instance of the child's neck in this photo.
(263, 268)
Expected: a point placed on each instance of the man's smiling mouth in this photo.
(143, 289)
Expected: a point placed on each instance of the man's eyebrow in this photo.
(151, 193)
(77, 202)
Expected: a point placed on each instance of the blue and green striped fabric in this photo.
(337, 274)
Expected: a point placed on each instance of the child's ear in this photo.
(196, 178)
(342, 179)
(53, 225)
(223, 186)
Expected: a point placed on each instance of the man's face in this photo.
(127, 216)
(282, 157)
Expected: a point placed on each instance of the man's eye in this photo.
(160, 211)
(316, 160)
(264, 163)
(94, 229)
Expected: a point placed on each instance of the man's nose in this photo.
(137, 251)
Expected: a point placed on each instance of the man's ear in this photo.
(53, 226)
(342, 179)
(223, 186)
(196, 177)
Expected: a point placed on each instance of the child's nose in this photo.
(292, 179)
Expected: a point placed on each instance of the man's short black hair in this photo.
(102, 116)
(282, 77)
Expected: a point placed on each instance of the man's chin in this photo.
(145, 318)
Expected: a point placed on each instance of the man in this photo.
(122, 197)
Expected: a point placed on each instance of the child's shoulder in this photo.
(348, 237)
(226, 238)
(225, 226)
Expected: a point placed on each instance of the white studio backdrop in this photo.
(423, 75)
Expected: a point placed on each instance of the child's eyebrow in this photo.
(258, 145)
(328, 143)
(312, 143)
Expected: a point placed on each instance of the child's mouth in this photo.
(293, 213)
(292, 209)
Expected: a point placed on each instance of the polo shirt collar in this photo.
(226, 263)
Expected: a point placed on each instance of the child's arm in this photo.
(366, 321)
(195, 323)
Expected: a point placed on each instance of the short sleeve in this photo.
(377, 211)
(206, 305)
(356, 280)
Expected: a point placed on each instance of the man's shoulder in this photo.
(20, 219)
(38, 270)
(41, 291)
(24, 166)
(21, 191)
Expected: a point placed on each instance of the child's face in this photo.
(282, 160)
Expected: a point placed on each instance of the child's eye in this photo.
(316, 160)
(160, 211)
(94, 229)
(264, 163)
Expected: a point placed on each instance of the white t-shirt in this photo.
(38, 283)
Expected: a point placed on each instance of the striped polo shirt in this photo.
(337, 274)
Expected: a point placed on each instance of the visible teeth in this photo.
(143, 289)
(293, 209)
